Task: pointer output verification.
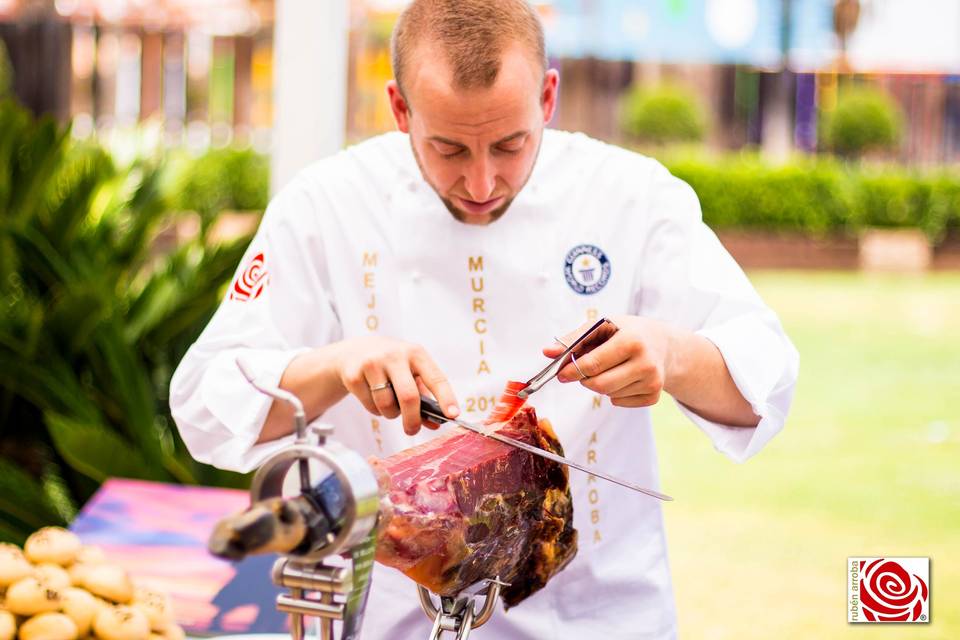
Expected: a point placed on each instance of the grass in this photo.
(868, 464)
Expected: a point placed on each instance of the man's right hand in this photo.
(366, 365)
(362, 366)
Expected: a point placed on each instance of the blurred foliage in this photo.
(821, 195)
(863, 120)
(6, 71)
(93, 319)
(662, 115)
(222, 179)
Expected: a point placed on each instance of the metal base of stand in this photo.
(332, 583)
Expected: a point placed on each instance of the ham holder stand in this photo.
(330, 579)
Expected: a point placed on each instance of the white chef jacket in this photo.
(359, 243)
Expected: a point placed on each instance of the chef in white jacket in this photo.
(443, 258)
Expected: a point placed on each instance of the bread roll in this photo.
(8, 625)
(29, 596)
(81, 606)
(87, 558)
(52, 544)
(109, 582)
(52, 575)
(173, 632)
(13, 565)
(155, 605)
(49, 626)
(121, 623)
(91, 555)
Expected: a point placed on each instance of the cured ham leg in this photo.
(463, 507)
(453, 511)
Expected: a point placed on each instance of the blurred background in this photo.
(140, 141)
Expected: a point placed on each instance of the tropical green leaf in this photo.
(152, 306)
(98, 452)
(51, 385)
(58, 493)
(76, 314)
(130, 387)
(12, 533)
(95, 314)
(35, 162)
(24, 498)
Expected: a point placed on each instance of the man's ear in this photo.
(399, 106)
(548, 99)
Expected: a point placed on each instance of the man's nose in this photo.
(480, 179)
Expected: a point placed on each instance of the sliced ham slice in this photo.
(508, 404)
(462, 508)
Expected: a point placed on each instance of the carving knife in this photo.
(430, 410)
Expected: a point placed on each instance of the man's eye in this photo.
(449, 151)
(513, 147)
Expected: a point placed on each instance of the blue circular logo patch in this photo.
(586, 269)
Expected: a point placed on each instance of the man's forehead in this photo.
(472, 111)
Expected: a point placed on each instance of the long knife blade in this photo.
(431, 411)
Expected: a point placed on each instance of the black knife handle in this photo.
(430, 410)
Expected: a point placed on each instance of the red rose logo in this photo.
(251, 282)
(888, 593)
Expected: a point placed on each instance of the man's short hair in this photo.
(472, 34)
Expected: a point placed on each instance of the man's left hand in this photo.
(645, 357)
(632, 366)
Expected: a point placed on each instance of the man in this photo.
(441, 259)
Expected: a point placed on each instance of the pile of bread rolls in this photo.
(57, 589)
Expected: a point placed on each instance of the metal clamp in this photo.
(359, 485)
(459, 613)
(305, 573)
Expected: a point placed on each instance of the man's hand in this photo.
(645, 357)
(629, 366)
(363, 366)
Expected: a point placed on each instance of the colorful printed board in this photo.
(159, 532)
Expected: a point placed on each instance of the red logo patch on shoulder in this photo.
(251, 282)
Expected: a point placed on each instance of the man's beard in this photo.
(467, 218)
(459, 214)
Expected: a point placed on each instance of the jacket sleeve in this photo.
(688, 279)
(277, 306)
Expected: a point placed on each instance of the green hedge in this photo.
(222, 179)
(821, 196)
(864, 119)
(662, 115)
(816, 195)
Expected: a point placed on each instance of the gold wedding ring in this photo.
(385, 385)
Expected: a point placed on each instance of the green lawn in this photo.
(869, 464)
